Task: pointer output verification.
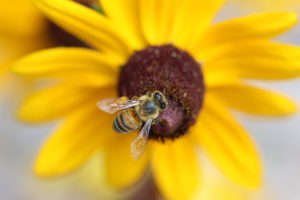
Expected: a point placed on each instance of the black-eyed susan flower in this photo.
(173, 47)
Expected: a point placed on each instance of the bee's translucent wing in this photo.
(138, 145)
(114, 104)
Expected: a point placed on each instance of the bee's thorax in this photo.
(148, 109)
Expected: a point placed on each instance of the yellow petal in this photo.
(56, 101)
(82, 134)
(227, 144)
(254, 59)
(47, 61)
(259, 26)
(176, 168)
(157, 19)
(84, 66)
(192, 19)
(254, 100)
(86, 24)
(124, 13)
(121, 169)
(214, 78)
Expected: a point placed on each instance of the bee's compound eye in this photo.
(162, 105)
(157, 96)
(149, 107)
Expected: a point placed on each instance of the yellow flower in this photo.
(137, 34)
(21, 32)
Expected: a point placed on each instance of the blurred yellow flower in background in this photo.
(21, 32)
(137, 36)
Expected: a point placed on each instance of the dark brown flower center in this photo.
(177, 75)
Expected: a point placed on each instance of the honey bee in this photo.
(136, 113)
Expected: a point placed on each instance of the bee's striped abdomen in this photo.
(120, 126)
(126, 122)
